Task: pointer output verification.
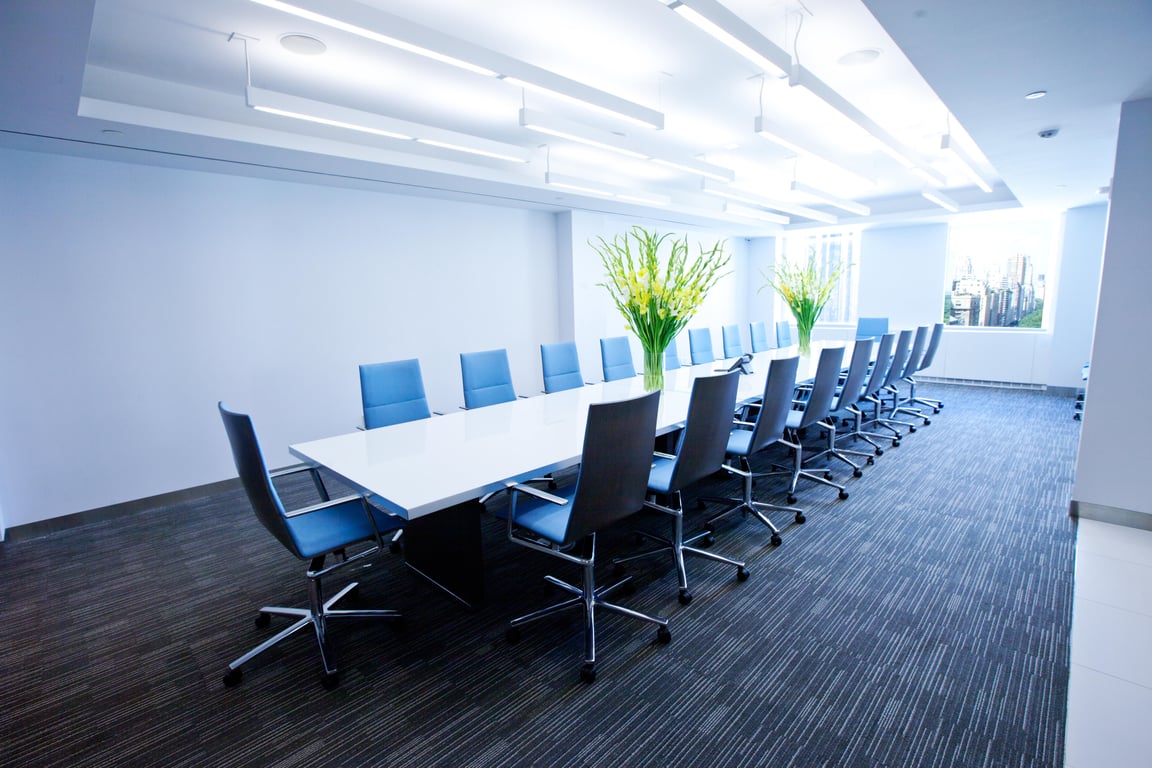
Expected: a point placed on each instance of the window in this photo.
(997, 270)
(832, 250)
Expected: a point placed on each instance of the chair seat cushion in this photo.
(331, 528)
(660, 478)
(543, 517)
(739, 442)
(794, 419)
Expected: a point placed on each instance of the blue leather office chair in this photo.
(847, 393)
(758, 333)
(611, 486)
(929, 357)
(699, 453)
(313, 533)
(672, 357)
(561, 366)
(700, 345)
(392, 393)
(870, 389)
(733, 346)
(616, 358)
(814, 410)
(871, 327)
(783, 334)
(911, 365)
(749, 438)
(892, 375)
(486, 377)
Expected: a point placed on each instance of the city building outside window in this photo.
(997, 270)
(831, 249)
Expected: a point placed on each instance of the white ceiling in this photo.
(163, 81)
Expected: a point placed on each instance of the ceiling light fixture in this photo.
(303, 45)
(363, 21)
(754, 213)
(799, 77)
(1035, 95)
(827, 197)
(766, 131)
(587, 187)
(285, 105)
(944, 202)
(967, 164)
(753, 198)
(734, 32)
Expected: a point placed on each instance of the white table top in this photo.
(423, 466)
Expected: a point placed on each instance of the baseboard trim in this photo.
(100, 514)
(1103, 513)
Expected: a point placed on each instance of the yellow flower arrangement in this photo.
(805, 290)
(657, 296)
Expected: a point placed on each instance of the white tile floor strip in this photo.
(1110, 685)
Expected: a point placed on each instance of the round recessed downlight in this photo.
(859, 58)
(1035, 95)
(305, 45)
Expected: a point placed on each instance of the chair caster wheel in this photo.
(685, 597)
(827, 475)
(741, 574)
(394, 547)
(791, 498)
(512, 635)
(551, 485)
(330, 681)
(927, 422)
(871, 461)
(776, 540)
(800, 519)
(588, 673)
(843, 495)
(911, 429)
(262, 620)
(857, 473)
(700, 504)
(895, 443)
(879, 451)
(353, 593)
(663, 636)
(233, 677)
(708, 541)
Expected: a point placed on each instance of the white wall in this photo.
(132, 298)
(1114, 451)
(1073, 305)
(902, 274)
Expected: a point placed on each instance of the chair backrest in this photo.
(733, 347)
(899, 357)
(871, 327)
(486, 377)
(616, 357)
(917, 353)
(254, 476)
(614, 464)
(700, 450)
(776, 404)
(857, 370)
(672, 356)
(819, 401)
(758, 333)
(933, 345)
(392, 393)
(783, 334)
(700, 345)
(561, 366)
(880, 367)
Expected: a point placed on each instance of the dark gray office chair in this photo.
(879, 370)
(877, 399)
(847, 393)
(815, 409)
(613, 479)
(929, 357)
(312, 533)
(748, 438)
(901, 406)
(699, 453)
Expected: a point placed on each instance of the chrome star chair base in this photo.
(747, 505)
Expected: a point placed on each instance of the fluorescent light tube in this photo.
(967, 165)
(707, 170)
(944, 202)
(543, 123)
(602, 190)
(831, 199)
(734, 32)
(296, 107)
(752, 198)
(754, 213)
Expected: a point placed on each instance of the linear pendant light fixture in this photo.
(734, 32)
(541, 122)
(296, 107)
(967, 165)
(754, 213)
(588, 187)
(364, 21)
(752, 198)
(843, 204)
(941, 200)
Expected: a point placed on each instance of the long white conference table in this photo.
(433, 471)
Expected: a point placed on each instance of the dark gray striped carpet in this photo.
(922, 622)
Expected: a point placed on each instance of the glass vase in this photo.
(653, 369)
(804, 338)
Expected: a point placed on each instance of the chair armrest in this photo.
(292, 470)
(663, 455)
(325, 505)
(521, 488)
(748, 424)
(360, 428)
